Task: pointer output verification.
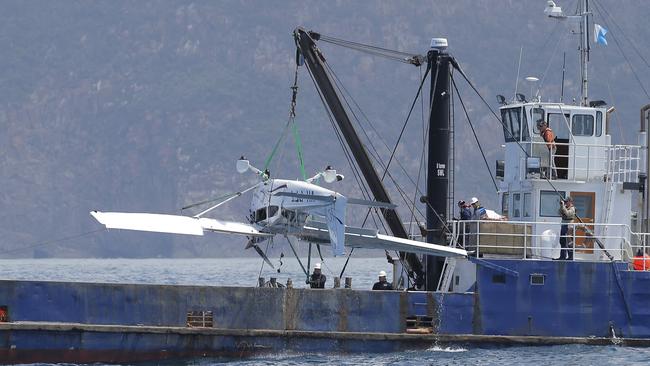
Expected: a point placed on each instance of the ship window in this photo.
(599, 123)
(516, 205)
(537, 279)
(504, 204)
(273, 210)
(549, 203)
(559, 124)
(582, 125)
(511, 118)
(527, 202)
(537, 117)
(525, 136)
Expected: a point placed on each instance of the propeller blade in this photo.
(254, 240)
(261, 253)
(357, 201)
(306, 196)
(252, 243)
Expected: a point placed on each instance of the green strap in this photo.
(275, 148)
(294, 128)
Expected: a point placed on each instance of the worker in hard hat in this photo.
(382, 284)
(479, 211)
(317, 279)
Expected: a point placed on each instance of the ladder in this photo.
(610, 186)
(447, 274)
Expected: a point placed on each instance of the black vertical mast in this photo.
(438, 158)
(316, 64)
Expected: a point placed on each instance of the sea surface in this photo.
(245, 272)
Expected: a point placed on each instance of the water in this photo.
(244, 272)
(211, 272)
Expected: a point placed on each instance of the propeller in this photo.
(252, 243)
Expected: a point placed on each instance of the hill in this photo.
(145, 106)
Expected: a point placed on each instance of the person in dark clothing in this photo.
(465, 214)
(382, 284)
(465, 211)
(317, 279)
(568, 213)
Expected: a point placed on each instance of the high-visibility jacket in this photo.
(549, 137)
(639, 262)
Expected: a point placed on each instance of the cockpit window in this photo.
(261, 214)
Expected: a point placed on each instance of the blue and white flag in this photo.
(599, 34)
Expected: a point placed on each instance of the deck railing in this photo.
(540, 240)
(640, 249)
(614, 163)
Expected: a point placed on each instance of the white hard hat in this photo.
(382, 274)
(474, 200)
(317, 266)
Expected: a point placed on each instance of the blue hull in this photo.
(86, 322)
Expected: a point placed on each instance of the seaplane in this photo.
(299, 210)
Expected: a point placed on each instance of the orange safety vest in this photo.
(639, 263)
(549, 137)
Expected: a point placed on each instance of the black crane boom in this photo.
(305, 43)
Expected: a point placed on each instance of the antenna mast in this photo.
(582, 17)
(584, 48)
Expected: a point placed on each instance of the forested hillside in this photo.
(146, 105)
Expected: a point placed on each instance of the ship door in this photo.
(559, 123)
(585, 203)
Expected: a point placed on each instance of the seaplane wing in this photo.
(173, 224)
(371, 239)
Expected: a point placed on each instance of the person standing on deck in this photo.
(479, 211)
(382, 284)
(549, 138)
(568, 213)
(317, 279)
(465, 212)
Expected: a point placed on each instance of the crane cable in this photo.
(291, 122)
(478, 143)
(400, 56)
(343, 91)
